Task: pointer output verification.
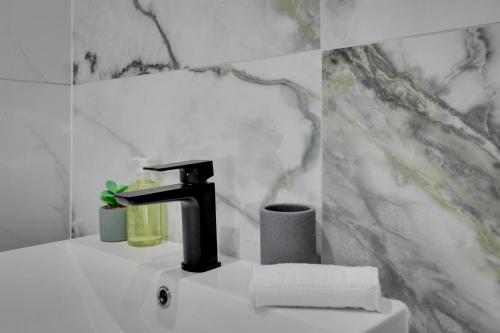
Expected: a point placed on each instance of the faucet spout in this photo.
(199, 228)
(177, 192)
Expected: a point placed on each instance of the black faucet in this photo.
(197, 197)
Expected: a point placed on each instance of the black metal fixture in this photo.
(197, 197)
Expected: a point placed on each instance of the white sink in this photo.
(84, 285)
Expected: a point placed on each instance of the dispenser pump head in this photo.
(140, 163)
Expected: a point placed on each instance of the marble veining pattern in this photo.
(356, 22)
(35, 39)
(411, 172)
(258, 121)
(34, 141)
(116, 38)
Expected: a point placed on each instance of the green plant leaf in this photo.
(121, 189)
(111, 186)
(106, 194)
(110, 201)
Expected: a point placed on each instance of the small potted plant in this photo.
(113, 216)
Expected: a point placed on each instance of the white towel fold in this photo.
(309, 285)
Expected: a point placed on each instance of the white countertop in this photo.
(114, 287)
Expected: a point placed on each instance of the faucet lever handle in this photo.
(191, 172)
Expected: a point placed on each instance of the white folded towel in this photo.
(310, 285)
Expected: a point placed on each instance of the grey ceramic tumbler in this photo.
(287, 234)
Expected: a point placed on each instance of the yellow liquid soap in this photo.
(145, 223)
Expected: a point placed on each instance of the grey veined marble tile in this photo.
(258, 121)
(35, 40)
(411, 172)
(354, 22)
(34, 163)
(116, 38)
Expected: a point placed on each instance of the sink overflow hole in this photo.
(163, 296)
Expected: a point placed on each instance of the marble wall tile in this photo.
(35, 40)
(258, 121)
(411, 172)
(356, 22)
(34, 166)
(116, 38)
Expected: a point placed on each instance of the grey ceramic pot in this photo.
(287, 234)
(113, 224)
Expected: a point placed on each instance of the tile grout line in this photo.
(35, 82)
(415, 35)
(321, 48)
(71, 127)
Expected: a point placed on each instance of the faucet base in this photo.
(200, 267)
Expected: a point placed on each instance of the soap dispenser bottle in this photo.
(144, 223)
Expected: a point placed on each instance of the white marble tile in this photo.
(34, 166)
(258, 121)
(35, 40)
(114, 38)
(411, 172)
(355, 22)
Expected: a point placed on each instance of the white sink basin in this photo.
(84, 285)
